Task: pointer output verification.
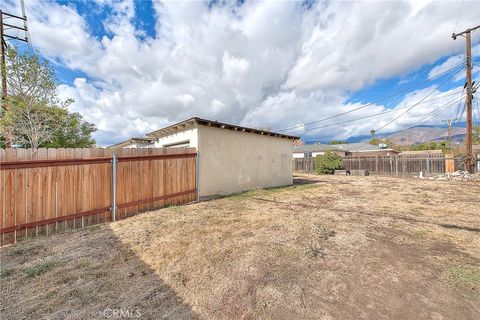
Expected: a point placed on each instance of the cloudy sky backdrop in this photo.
(136, 66)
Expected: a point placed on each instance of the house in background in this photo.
(134, 143)
(232, 158)
(313, 150)
(347, 149)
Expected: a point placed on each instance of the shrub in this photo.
(327, 163)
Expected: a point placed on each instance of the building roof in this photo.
(131, 141)
(347, 147)
(422, 152)
(316, 147)
(210, 123)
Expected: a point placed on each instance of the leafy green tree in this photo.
(327, 163)
(73, 131)
(36, 116)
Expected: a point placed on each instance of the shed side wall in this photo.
(233, 161)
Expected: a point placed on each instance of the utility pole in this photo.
(467, 35)
(449, 123)
(4, 70)
(5, 26)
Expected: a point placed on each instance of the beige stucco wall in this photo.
(233, 161)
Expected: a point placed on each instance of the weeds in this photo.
(19, 250)
(324, 232)
(40, 268)
(6, 272)
(315, 251)
(463, 276)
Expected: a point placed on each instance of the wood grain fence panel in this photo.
(42, 190)
(70, 190)
(20, 195)
(10, 185)
(157, 183)
(51, 196)
(2, 195)
(77, 188)
(29, 194)
(50, 199)
(60, 193)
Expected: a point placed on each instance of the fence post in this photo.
(396, 164)
(197, 174)
(114, 186)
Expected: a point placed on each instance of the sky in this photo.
(135, 66)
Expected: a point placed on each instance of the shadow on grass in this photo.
(93, 276)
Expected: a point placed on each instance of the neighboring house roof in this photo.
(347, 147)
(316, 147)
(422, 152)
(362, 147)
(130, 141)
(210, 123)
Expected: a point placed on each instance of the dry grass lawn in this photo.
(337, 248)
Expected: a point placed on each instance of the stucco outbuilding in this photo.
(232, 158)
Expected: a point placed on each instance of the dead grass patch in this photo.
(337, 248)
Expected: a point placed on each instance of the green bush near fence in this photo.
(327, 163)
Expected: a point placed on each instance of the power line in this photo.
(416, 104)
(374, 102)
(435, 113)
(456, 24)
(377, 114)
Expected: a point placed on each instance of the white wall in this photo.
(297, 155)
(189, 133)
(314, 154)
(234, 161)
(139, 145)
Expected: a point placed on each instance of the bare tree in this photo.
(32, 99)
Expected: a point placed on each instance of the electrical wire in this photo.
(413, 106)
(374, 102)
(456, 25)
(377, 114)
(435, 113)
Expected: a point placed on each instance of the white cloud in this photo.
(265, 64)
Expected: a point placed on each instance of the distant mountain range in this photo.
(414, 135)
(420, 134)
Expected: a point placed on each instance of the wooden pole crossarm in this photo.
(11, 26)
(455, 35)
(14, 16)
(16, 38)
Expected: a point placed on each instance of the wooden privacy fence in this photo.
(392, 165)
(50, 190)
(398, 164)
(306, 165)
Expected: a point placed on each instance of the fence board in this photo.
(63, 192)
(2, 195)
(9, 207)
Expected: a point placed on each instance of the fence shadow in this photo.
(84, 275)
